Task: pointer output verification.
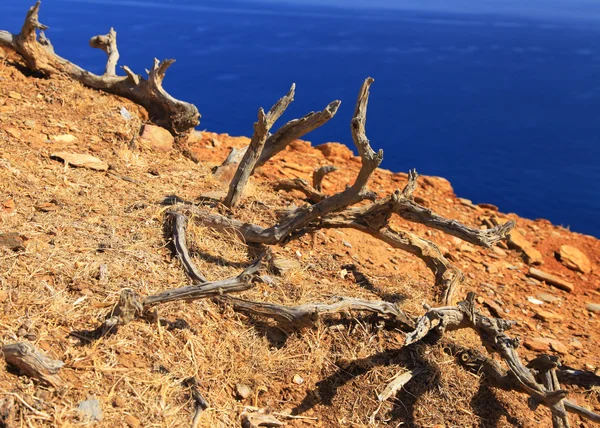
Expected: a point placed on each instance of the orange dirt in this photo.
(73, 220)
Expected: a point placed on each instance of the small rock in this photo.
(47, 207)
(64, 138)
(156, 138)
(81, 160)
(593, 307)
(543, 344)
(132, 421)
(90, 410)
(14, 95)
(242, 391)
(347, 244)
(551, 279)
(335, 150)
(8, 205)
(125, 113)
(517, 241)
(491, 207)
(574, 259)
(548, 316)
(214, 142)
(298, 379)
(13, 240)
(29, 123)
(548, 298)
(119, 402)
(3, 296)
(499, 251)
(534, 300)
(494, 308)
(283, 265)
(576, 344)
(13, 132)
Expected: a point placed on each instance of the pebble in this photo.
(242, 390)
(298, 379)
(548, 298)
(132, 421)
(593, 307)
(547, 316)
(90, 410)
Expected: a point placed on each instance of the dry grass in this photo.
(53, 288)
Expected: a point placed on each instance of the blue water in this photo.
(506, 108)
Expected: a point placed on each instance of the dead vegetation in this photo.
(304, 344)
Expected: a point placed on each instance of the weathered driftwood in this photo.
(131, 306)
(398, 382)
(284, 136)
(179, 242)
(493, 336)
(200, 403)
(175, 115)
(319, 174)
(208, 289)
(312, 195)
(257, 143)
(307, 315)
(33, 363)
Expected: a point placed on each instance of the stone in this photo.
(242, 390)
(13, 132)
(64, 138)
(499, 251)
(132, 421)
(548, 298)
(551, 279)
(81, 160)
(490, 207)
(13, 241)
(574, 259)
(298, 379)
(283, 265)
(517, 241)
(347, 244)
(3, 296)
(547, 316)
(155, 138)
(335, 150)
(14, 95)
(593, 307)
(543, 344)
(90, 410)
(576, 344)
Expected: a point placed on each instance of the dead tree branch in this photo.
(493, 336)
(312, 195)
(285, 135)
(307, 315)
(320, 173)
(175, 115)
(33, 363)
(179, 242)
(261, 131)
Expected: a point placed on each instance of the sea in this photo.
(507, 108)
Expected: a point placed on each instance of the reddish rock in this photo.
(490, 207)
(517, 241)
(543, 344)
(574, 259)
(335, 150)
(547, 316)
(300, 146)
(551, 279)
(156, 138)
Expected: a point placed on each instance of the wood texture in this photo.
(33, 363)
(261, 132)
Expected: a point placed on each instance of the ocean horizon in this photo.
(505, 107)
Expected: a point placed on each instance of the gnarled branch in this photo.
(320, 173)
(173, 114)
(307, 315)
(257, 143)
(493, 336)
(179, 242)
(33, 363)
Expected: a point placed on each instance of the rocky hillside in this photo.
(82, 216)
